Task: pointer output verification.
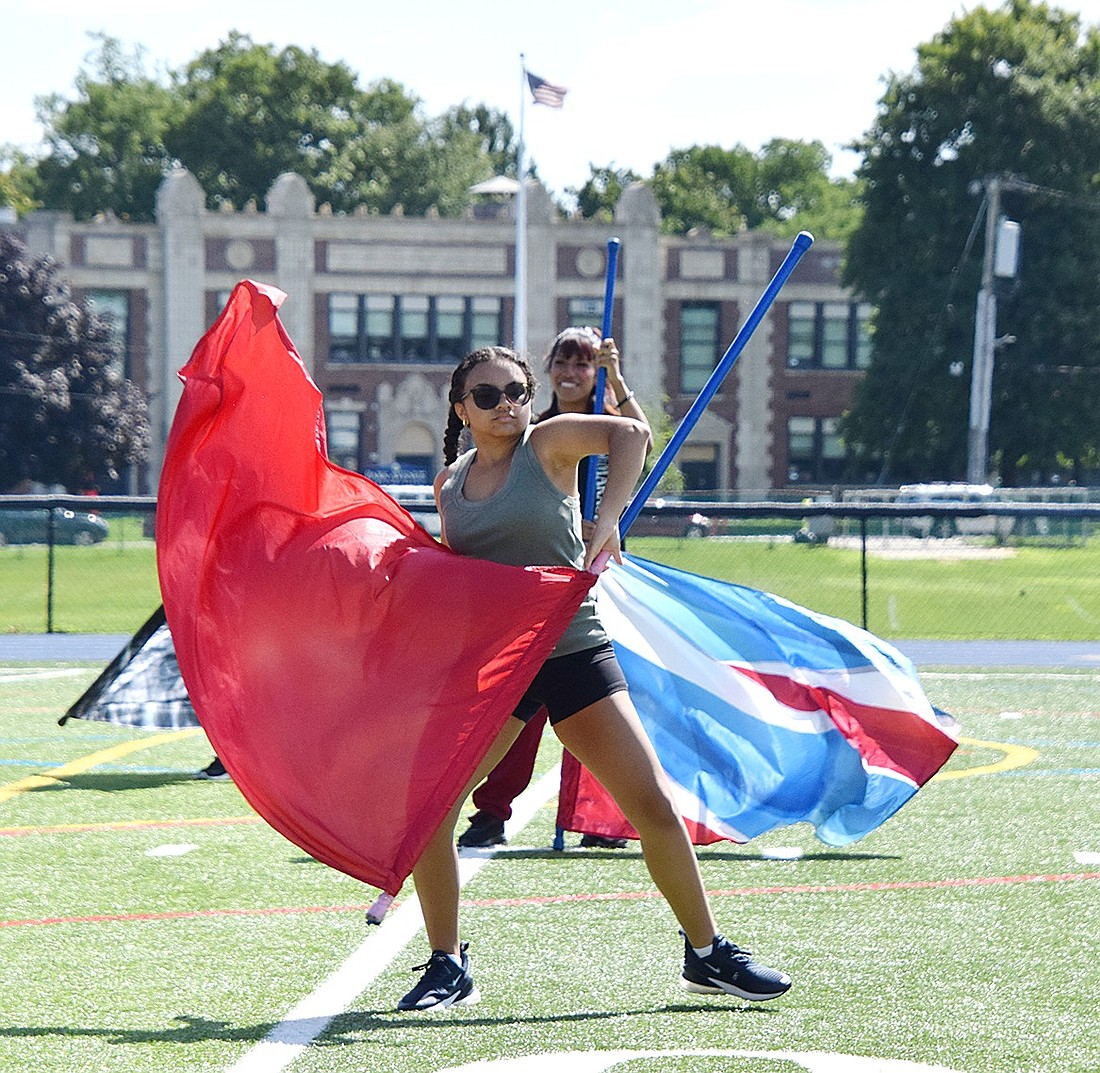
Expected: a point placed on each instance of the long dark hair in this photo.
(458, 389)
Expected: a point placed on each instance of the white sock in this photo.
(704, 951)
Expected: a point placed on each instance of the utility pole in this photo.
(985, 336)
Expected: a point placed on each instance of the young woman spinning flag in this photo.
(513, 499)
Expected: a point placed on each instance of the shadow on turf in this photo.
(115, 781)
(345, 1029)
(188, 1030)
(354, 1023)
(575, 853)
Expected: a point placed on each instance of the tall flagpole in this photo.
(519, 318)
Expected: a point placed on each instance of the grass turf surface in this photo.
(963, 933)
(950, 590)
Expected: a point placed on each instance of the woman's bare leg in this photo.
(607, 737)
(436, 872)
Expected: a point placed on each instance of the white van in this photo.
(949, 495)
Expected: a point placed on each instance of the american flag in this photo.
(546, 92)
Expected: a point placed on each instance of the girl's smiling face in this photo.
(573, 374)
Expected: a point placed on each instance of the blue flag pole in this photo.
(801, 244)
(588, 505)
(613, 244)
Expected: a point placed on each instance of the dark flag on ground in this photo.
(142, 686)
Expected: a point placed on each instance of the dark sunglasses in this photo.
(487, 396)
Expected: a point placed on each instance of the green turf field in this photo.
(951, 589)
(150, 923)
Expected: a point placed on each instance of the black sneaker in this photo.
(213, 772)
(484, 830)
(730, 970)
(443, 984)
(600, 842)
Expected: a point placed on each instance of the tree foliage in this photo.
(1013, 92)
(105, 149)
(596, 200)
(785, 188)
(66, 410)
(244, 114)
(241, 114)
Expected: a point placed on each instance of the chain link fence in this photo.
(998, 570)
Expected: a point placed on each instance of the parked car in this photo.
(950, 495)
(69, 527)
(656, 519)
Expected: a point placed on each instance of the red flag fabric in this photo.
(350, 671)
(584, 805)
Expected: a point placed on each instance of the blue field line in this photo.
(132, 769)
(38, 740)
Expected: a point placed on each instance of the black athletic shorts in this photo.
(566, 684)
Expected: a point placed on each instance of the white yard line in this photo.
(32, 674)
(300, 1026)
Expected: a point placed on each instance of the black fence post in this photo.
(863, 565)
(50, 541)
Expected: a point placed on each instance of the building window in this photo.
(450, 329)
(484, 322)
(815, 451)
(343, 429)
(828, 335)
(698, 463)
(585, 311)
(415, 335)
(384, 328)
(698, 344)
(114, 307)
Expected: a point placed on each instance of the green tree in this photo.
(66, 410)
(600, 193)
(1016, 92)
(16, 180)
(246, 114)
(104, 150)
(495, 137)
(400, 158)
(785, 188)
(241, 114)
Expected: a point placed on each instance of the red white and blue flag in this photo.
(762, 713)
(545, 92)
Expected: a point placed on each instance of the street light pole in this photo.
(985, 337)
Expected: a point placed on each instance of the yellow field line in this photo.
(1015, 756)
(85, 763)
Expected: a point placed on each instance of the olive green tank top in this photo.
(527, 522)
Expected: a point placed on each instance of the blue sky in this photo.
(644, 76)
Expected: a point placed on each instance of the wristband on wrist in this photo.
(620, 403)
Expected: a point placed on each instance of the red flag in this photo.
(584, 805)
(350, 671)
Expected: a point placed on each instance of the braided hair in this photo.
(458, 389)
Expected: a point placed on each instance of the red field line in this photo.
(494, 903)
(837, 888)
(126, 825)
